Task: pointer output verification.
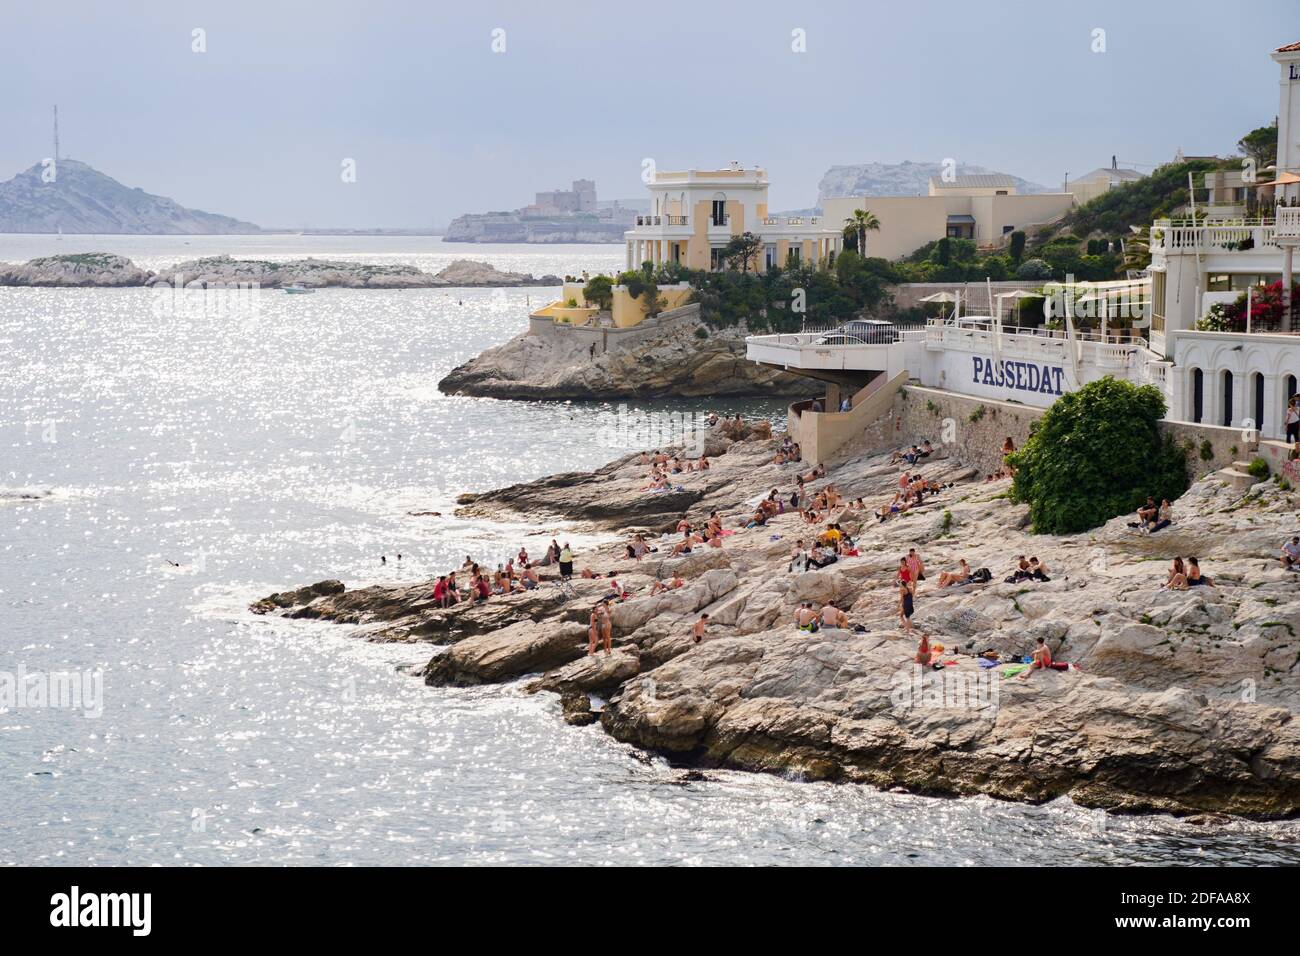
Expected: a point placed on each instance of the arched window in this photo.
(1198, 395)
(1227, 397)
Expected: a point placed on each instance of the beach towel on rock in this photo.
(1014, 669)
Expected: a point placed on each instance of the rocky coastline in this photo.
(105, 270)
(681, 358)
(1184, 702)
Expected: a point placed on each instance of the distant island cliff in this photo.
(72, 197)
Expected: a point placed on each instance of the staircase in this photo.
(1238, 476)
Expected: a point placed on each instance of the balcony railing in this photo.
(677, 220)
(792, 220)
(1288, 222)
(1215, 235)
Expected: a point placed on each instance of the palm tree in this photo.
(863, 221)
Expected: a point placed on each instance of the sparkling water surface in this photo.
(267, 451)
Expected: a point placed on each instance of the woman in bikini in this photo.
(1177, 580)
(905, 605)
(960, 576)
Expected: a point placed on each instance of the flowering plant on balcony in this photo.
(1266, 311)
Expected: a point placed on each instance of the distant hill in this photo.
(84, 200)
(898, 179)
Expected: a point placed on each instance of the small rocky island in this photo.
(105, 270)
(1183, 701)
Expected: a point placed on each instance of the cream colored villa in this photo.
(1236, 383)
(983, 208)
(695, 213)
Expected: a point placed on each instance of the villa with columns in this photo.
(695, 213)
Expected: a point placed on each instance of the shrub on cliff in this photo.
(1095, 454)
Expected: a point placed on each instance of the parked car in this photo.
(871, 331)
(838, 337)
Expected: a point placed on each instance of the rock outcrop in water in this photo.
(325, 273)
(81, 270)
(105, 270)
(669, 361)
(1185, 701)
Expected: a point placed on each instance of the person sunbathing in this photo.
(697, 629)
(1290, 555)
(684, 546)
(1038, 570)
(833, 616)
(926, 449)
(821, 557)
(683, 525)
(660, 586)
(1164, 517)
(924, 655)
(529, 578)
(806, 618)
(960, 576)
(1194, 576)
(1042, 659)
(1177, 579)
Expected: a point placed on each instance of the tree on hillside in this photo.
(860, 223)
(1260, 145)
(1017, 248)
(742, 250)
(1097, 453)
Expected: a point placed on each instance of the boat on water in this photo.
(298, 289)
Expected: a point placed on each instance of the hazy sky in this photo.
(438, 124)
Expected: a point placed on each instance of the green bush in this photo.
(1034, 269)
(977, 414)
(1258, 468)
(1096, 453)
(1207, 450)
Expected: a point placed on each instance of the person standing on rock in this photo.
(905, 605)
(1292, 421)
(606, 626)
(593, 632)
(697, 629)
(566, 561)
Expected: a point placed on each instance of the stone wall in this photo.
(610, 339)
(945, 418)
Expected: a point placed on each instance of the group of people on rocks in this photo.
(911, 493)
(787, 451)
(515, 575)
(1152, 517)
(664, 466)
